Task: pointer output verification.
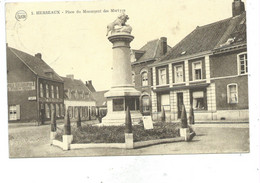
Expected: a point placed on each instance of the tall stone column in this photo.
(122, 92)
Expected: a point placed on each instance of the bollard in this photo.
(67, 137)
(53, 126)
(129, 139)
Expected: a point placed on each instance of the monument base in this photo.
(118, 118)
(116, 109)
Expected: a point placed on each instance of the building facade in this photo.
(33, 88)
(77, 96)
(207, 70)
(141, 73)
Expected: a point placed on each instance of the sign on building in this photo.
(21, 86)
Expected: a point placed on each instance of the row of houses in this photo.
(34, 88)
(207, 70)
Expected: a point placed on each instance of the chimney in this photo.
(71, 76)
(238, 7)
(163, 41)
(90, 82)
(38, 55)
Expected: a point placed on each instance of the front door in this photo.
(179, 103)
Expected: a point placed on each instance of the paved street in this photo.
(33, 141)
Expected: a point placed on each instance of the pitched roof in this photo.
(77, 85)
(90, 86)
(150, 51)
(37, 65)
(100, 98)
(209, 37)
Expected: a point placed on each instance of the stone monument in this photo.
(122, 93)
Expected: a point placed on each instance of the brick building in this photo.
(207, 70)
(141, 73)
(33, 88)
(78, 96)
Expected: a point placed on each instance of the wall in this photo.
(18, 72)
(221, 93)
(224, 64)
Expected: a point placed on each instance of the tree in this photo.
(128, 121)
(78, 119)
(163, 115)
(67, 126)
(53, 120)
(184, 123)
(191, 116)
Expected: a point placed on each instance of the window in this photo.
(232, 94)
(57, 110)
(62, 112)
(47, 110)
(198, 100)
(242, 63)
(52, 91)
(162, 76)
(133, 78)
(118, 104)
(197, 70)
(145, 103)
(47, 91)
(14, 112)
(178, 74)
(163, 102)
(144, 78)
(57, 92)
(41, 90)
(133, 103)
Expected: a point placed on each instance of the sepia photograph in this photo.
(109, 78)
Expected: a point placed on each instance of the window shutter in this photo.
(18, 113)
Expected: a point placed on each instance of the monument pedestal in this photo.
(122, 92)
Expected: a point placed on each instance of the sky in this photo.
(76, 43)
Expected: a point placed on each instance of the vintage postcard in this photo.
(116, 78)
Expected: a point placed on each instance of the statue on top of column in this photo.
(119, 25)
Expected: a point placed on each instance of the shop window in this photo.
(47, 91)
(118, 104)
(197, 70)
(145, 103)
(199, 100)
(144, 78)
(163, 101)
(162, 76)
(41, 90)
(178, 74)
(47, 111)
(232, 94)
(57, 110)
(242, 63)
